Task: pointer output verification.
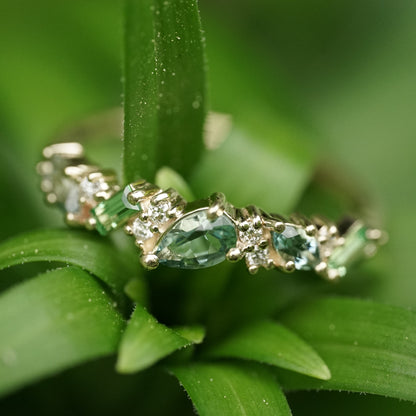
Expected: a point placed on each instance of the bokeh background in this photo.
(326, 82)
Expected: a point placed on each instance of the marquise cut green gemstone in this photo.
(113, 213)
(196, 242)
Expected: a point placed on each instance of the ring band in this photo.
(190, 235)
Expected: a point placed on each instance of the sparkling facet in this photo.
(141, 229)
(196, 242)
(295, 245)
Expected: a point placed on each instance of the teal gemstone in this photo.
(196, 242)
(295, 245)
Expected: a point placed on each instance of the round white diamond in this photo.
(159, 213)
(258, 257)
(252, 235)
(141, 229)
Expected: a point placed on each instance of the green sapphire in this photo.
(295, 245)
(113, 212)
(196, 242)
(353, 248)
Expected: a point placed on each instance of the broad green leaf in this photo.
(146, 341)
(57, 320)
(369, 347)
(249, 170)
(78, 248)
(307, 403)
(270, 154)
(168, 178)
(231, 389)
(164, 87)
(268, 342)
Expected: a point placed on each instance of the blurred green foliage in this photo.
(307, 83)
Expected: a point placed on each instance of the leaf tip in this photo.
(324, 373)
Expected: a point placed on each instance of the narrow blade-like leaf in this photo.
(369, 347)
(146, 341)
(232, 389)
(164, 87)
(52, 322)
(271, 343)
(71, 247)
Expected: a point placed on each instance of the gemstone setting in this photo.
(293, 244)
(196, 242)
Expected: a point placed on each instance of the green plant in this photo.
(237, 344)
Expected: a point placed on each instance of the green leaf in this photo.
(78, 248)
(168, 178)
(164, 87)
(146, 341)
(271, 343)
(369, 347)
(271, 152)
(232, 389)
(52, 322)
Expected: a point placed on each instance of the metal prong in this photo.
(46, 185)
(234, 254)
(255, 214)
(154, 228)
(91, 223)
(323, 239)
(45, 167)
(244, 225)
(370, 250)
(150, 261)
(134, 197)
(144, 215)
(139, 244)
(373, 234)
(51, 198)
(216, 205)
(310, 230)
(289, 267)
(376, 235)
(70, 219)
(321, 267)
(333, 230)
(270, 264)
(158, 198)
(263, 243)
(75, 171)
(68, 150)
(279, 226)
(253, 269)
(249, 248)
(176, 210)
(335, 274)
(128, 229)
(104, 194)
